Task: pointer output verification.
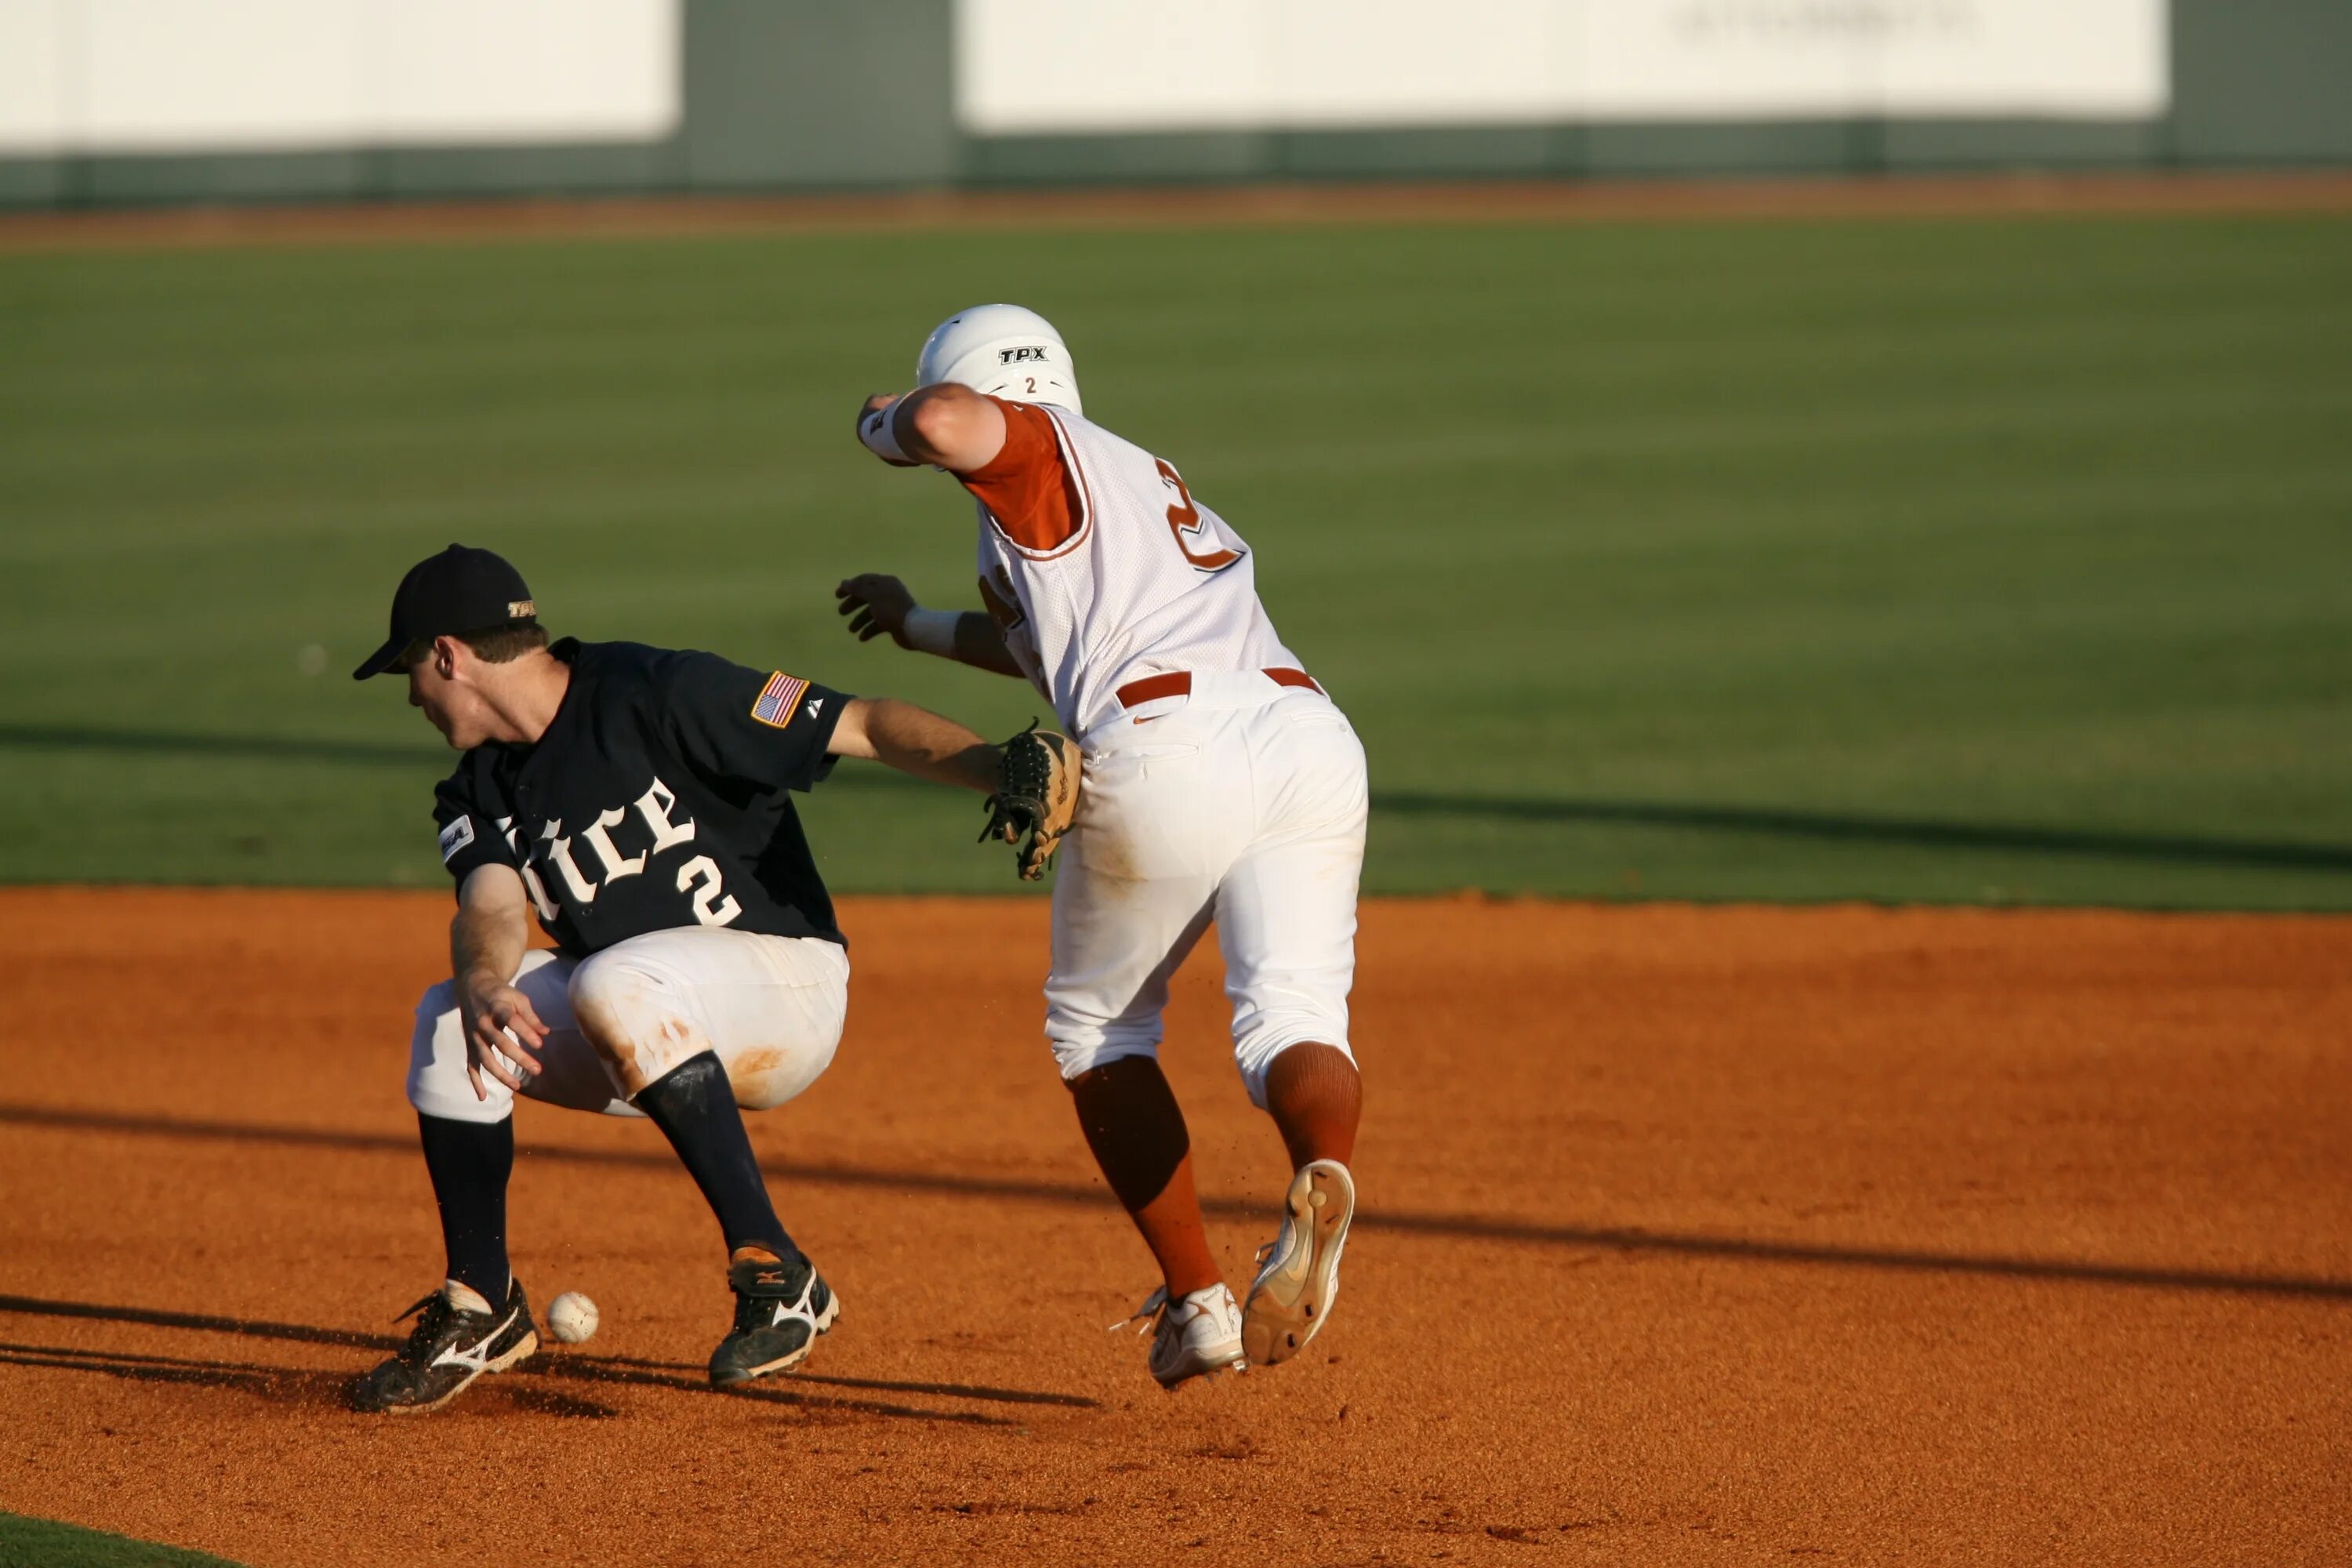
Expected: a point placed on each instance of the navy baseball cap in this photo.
(450, 594)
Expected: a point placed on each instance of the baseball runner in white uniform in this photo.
(1222, 784)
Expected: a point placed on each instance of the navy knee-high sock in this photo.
(694, 1105)
(470, 1163)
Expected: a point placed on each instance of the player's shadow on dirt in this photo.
(1821, 826)
(279, 1384)
(283, 1385)
(1478, 1228)
(778, 1392)
(884, 1385)
(521, 1389)
(251, 1328)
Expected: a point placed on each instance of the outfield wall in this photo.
(131, 102)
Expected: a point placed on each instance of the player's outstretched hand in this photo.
(1036, 797)
(502, 1031)
(876, 606)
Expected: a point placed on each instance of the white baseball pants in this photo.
(1242, 803)
(771, 1006)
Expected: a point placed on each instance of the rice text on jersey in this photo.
(659, 796)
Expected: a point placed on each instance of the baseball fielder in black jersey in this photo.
(639, 800)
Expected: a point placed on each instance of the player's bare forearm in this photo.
(915, 740)
(491, 931)
(945, 424)
(486, 942)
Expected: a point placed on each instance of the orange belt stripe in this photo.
(1179, 683)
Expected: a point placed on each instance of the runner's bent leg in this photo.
(1132, 897)
(1286, 922)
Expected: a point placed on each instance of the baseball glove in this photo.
(1036, 796)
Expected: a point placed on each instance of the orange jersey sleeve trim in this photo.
(1029, 487)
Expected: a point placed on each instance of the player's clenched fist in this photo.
(501, 1034)
(876, 606)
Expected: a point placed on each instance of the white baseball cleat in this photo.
(1298, 1271)
(1198, 1335)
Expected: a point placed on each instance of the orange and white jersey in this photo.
(1102, 569)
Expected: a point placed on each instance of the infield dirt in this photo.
(1719, 1235)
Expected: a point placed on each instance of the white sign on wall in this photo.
(182, 76)
(1026, 66)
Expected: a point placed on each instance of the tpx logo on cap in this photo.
(1022, 356)
(522, 609)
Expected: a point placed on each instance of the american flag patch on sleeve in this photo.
(779, 700)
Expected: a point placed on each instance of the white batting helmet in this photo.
(1005, 351)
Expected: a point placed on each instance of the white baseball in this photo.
(571, 1317)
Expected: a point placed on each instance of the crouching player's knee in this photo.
(631, 1014)
(438, 1084)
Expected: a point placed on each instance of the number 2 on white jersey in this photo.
(1184, 521)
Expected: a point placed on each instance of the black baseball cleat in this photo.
(450, 1346)
(779, 1309)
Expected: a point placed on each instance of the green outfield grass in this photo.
(45, 1543)
(1951, 560)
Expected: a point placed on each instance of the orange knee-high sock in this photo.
(1315, 1097)
(1136, 1128)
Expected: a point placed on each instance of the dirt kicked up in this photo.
(1696, 1236)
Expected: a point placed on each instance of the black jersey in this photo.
(657, 798)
